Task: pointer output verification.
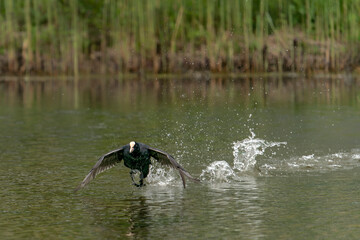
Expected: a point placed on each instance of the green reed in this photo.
(69, 37)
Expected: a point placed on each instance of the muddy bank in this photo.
(288, 54)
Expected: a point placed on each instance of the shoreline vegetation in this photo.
(64, 37)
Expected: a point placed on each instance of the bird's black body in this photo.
(137, 157)
(139, 160)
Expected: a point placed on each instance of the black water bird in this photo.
(136, 156)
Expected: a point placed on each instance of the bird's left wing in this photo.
(104, 163)
(166, 159)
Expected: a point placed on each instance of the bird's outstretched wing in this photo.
(166, 159)
(104, 163)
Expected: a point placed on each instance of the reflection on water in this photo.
(279, 158)
(240, 204)
(249, 92)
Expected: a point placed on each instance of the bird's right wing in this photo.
(104, 163)
(166, 159)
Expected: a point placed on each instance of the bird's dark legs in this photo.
(132, 176)
(141, 182)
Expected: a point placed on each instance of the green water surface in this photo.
(54, 130)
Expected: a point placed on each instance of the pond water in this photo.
(279, 158)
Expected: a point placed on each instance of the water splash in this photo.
(219, 171)
(160, 175)
(321, 163)
(245, 153)
(312, 163)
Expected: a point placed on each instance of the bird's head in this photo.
(132, 146)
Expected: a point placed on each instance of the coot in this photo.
(136, 156)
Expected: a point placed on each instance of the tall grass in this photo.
(112, 36)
